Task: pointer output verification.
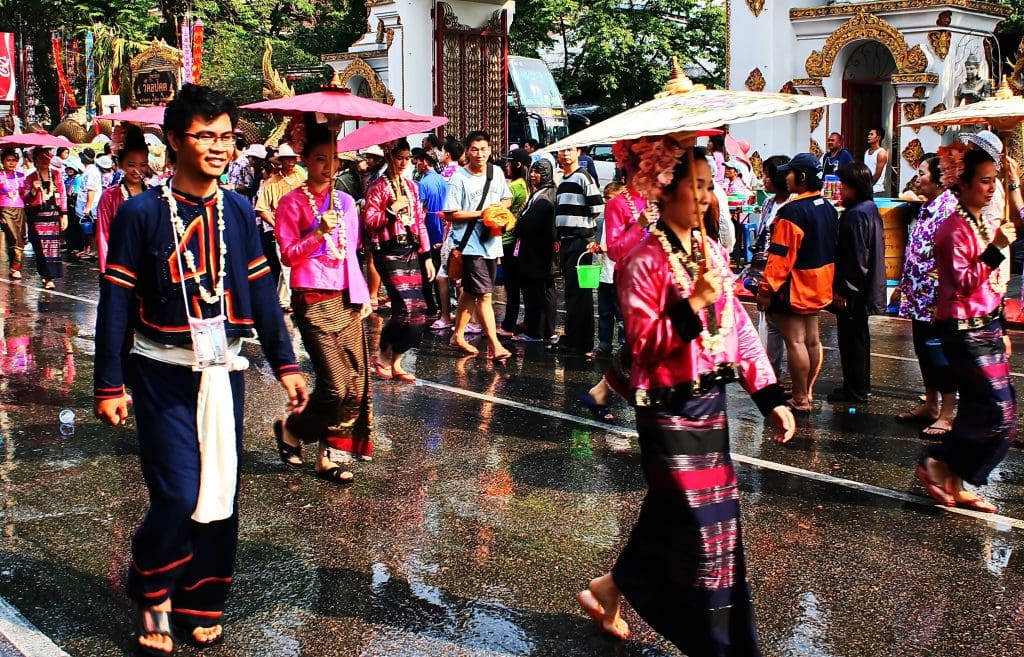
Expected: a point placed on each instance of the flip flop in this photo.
(977, 503)
(285, 451)
(155, 622)
(468, 349)
(931, 432)
(908, 417)
(505, 355)
(798, 410)
(382, 372)
(599, 411)
(336, 475)
(405, 377)
(937, 492)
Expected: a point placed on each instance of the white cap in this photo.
(286, 151)
(256, 150)
(372, 150)
(105, 162)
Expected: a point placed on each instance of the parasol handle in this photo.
(712, 320)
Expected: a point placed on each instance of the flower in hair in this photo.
(951, 162)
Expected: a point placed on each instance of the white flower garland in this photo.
(677, 261)
(983, 233)
(406, 218)
(190, 259)
(337, 250)
(125, 193)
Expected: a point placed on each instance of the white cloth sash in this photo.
(215, 425)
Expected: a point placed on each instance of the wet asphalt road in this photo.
(472, 533)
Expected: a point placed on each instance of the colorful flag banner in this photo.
(197, 50)
(8, 67)
(90, 77)
(186, 50)
(30, 91)
(64, 90)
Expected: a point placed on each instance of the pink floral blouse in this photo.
(919, 287)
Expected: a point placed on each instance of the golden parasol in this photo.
(687, 108)
(1003, 111)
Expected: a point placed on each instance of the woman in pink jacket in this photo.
(683, 568)
(395, 222)
(318, 233)
(969, 314)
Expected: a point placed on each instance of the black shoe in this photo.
(841, 395)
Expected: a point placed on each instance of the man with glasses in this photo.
(267, 199)
(185, 281)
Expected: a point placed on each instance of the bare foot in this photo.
(601, 602)
(159, 639)
(205, 636)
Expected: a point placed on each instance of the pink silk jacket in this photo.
(965, 267)
(381, 225)
(652, 306)
(314, 267)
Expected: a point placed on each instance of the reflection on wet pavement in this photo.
(477, 521)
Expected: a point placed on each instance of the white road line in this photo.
(1003, 523)
(24, 636)
(53, 292)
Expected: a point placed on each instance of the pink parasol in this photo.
(146, 115)
(28, 139)
(738, 149)
(384, 131)
(334, 102)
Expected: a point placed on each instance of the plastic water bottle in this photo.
(67, 422)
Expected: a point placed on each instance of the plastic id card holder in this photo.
(209, 342)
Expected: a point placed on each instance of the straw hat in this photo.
(285, 150)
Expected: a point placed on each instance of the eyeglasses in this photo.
(209, 138)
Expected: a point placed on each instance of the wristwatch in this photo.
(1014, 186)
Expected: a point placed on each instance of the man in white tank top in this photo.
(876, 159)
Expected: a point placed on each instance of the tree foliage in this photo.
(617, 53)
(300, 31)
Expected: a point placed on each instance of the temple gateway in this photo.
(894, 61)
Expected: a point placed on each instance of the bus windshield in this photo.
(534, 84)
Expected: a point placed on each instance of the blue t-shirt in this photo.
(433, 189)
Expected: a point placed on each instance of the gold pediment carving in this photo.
(378, 90)
(866, 27)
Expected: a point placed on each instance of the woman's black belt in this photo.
(703, 384)
(399, 241)
(970, 323)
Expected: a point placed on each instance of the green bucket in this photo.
(589, 276)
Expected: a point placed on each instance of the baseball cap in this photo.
(805, 162)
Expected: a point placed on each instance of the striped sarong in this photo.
(340, 408)
(683, 568)
(399, 269)
(44, 234)
(986, 415)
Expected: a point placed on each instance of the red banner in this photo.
(7, 67)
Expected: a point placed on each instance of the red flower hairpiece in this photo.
(951, 162)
